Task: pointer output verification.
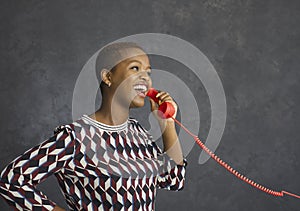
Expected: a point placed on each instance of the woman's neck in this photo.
(111, 115)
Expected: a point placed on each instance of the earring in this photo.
(109, 84)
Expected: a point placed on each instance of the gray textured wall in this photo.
(254, 46)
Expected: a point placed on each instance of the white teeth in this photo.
(140, 87)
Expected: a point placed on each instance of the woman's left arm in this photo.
(173, 164)
(167, 126)
(171, 142)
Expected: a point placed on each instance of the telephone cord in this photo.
(231, 170)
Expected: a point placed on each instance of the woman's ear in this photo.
(105, 76)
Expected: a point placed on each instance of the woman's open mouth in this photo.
(141, 89)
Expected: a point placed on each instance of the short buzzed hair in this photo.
(111, 55)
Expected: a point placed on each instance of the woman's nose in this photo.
(144, 75)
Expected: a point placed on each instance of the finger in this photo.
(152, 104)
(163, 95)
(166, 98)
(159, 94)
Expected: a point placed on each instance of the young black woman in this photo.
(105, 160)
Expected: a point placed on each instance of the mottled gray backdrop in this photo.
(254, 46)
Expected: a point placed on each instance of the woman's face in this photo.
(131, 80)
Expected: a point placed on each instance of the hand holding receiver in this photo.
(166, 109)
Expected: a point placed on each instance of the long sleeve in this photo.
(19, 179)
(171, 175)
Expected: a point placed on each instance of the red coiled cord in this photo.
(231, 170)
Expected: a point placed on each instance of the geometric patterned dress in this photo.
(98, 167)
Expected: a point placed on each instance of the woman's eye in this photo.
(136, 68)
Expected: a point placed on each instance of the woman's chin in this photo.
(137, 102)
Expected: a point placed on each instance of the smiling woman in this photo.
(105, 160)
(126, 76)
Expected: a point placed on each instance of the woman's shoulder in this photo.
(81, 124)
(71, 126)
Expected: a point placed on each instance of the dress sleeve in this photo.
(171, 175)
(19, 179)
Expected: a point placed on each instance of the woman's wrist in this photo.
(166, 124)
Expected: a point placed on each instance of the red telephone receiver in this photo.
(166, 109)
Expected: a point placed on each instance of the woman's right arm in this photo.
(19, 179)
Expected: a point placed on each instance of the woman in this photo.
(105, 160)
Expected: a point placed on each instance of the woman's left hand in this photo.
(163, 97)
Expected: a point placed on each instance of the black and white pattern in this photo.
(98, 167)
